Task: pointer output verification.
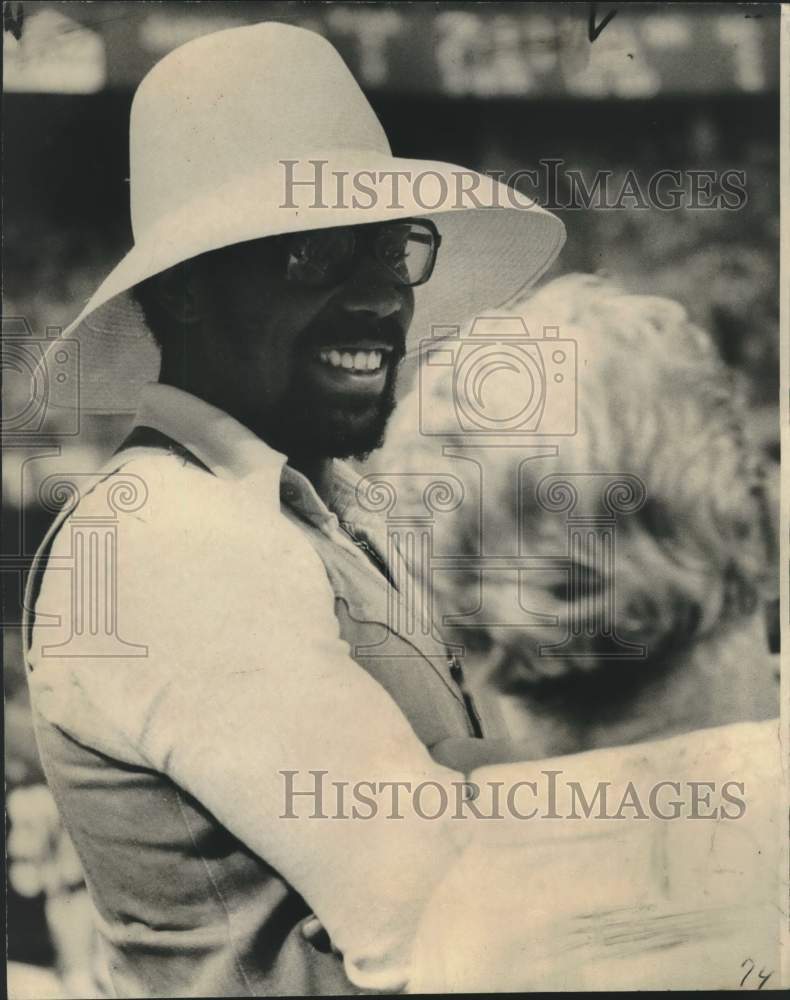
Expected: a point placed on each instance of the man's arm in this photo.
(465, 753)
(246, 677)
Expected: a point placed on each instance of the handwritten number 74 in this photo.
(762, 975)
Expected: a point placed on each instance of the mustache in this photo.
(351, 329)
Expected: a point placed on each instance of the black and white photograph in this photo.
(394, 542)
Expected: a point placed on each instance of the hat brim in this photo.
(495, 242)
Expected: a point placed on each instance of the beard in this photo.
(307, 422)
(310, 425)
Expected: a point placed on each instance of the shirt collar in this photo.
(231, 451)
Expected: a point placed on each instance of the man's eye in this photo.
(396, 252)
(394, 245)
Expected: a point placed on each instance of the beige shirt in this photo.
(666, 885)
(224, 668)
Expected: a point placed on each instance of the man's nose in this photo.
(374, 290)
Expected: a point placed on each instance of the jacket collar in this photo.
(231, 451)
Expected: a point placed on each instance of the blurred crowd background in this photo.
(495, 87)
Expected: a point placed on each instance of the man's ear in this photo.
(177, 292)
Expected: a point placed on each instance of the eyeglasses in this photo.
(322, 258)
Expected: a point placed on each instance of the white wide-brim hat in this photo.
(261, 130)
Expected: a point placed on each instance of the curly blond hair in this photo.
(656, 402)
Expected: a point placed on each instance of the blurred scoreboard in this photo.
(559, 50)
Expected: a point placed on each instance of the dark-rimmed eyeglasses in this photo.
(323, 258)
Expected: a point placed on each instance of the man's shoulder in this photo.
(143, 487)
(161, 499)
(187, 543)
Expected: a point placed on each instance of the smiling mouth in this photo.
(358, 361)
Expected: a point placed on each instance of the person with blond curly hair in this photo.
(594, 878)
(693, 566)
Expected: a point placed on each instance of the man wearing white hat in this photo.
(251, 593)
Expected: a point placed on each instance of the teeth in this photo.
(361, 361)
